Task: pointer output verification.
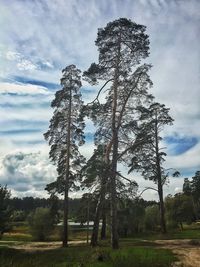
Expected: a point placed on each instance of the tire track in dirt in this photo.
(187, 253)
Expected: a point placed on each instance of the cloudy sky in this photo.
(38, 38)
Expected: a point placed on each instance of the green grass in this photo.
(21, 232)
(87, 257)
(187, 233)
(134, 252)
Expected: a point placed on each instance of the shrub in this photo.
(41, 224)
(5, 211)
(151, 217)
(18, 216)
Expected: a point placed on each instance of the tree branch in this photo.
(97, 97)
(147, 188)
(134, 145)
(125, 178)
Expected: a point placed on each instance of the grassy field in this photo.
(87, 257)
(133, 252)
(21, 232)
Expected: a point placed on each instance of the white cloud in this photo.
(22, 89)
(10, 55)
(27, 171)
(185, 161)
(56, 35)
(26, 65)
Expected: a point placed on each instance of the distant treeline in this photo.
(76, 205)
(28, 204)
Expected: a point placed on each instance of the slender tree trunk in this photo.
(159, 180)
(95, 231)
(115, 127)
(162, 208)
(65, 222)
(88, 218)
(194, 208)
(114, 233)
(103, 227)
(94, 237)
(66, 193)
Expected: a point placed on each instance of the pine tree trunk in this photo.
(162, 208)
(159, 181)
(95, 231)
(65, 221)
(103, 227)
(114, 233)
(94, 237)
(66, 193)
(115, 127)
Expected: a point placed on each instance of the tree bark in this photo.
(95, 231)
(115, 129)
(162, 208)
(66, 193)
(94, 237)
(103, 227)
(114, 233)
(159, 180)
(65, 221)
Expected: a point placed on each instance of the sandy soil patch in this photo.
(188, 254)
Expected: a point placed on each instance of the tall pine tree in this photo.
(65, 134)
(149, 158)
(122, 44)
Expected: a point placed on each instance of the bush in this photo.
(151, 217)
(18, 216)
(171, 225)
(41, 224)
(5, 210)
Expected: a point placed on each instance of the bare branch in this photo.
(147, 188)
(127, 179)
(97, 97)
(126, 100)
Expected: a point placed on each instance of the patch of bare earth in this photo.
(187, 253)
(40, 246)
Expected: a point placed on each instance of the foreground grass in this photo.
(87, 257)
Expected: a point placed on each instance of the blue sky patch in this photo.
(181, 144)
(25, 80)
(20, 131)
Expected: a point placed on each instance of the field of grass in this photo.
(189, 232)
(21, 232)
(133, 252)
(87, 257)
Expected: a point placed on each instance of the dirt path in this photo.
(187, 253)
(39, 246)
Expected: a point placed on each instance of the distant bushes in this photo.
(41, 224)
(151, 220)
